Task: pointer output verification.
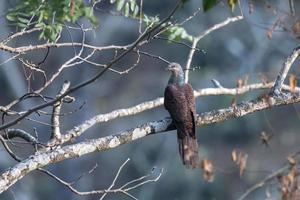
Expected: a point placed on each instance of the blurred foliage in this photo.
(131, 9)
(232, 4)
(209, 4)
(127, 7)
(49, 15)
(178, 33)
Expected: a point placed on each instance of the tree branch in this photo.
(200, 36)
(78, 130)
(55, 134)
(13, 133)
(284, 70)
(12, 175)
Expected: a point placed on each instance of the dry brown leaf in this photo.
(251, 6)
(264, 79)
(291, 160)
(242, 164)
(233, 102)
(72, 8)
(239, 83)
(293, 82)
(289, 184)
(234, 155)
(240, 159)
(208, 169)
(296, 27)
(246, 79)
(265, 138)
(291, 176)
(269, 33)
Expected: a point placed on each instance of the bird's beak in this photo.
(168, 68)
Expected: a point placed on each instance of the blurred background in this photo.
(246, 48)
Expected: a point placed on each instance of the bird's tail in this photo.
(188, 149)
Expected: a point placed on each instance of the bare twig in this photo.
(200, 36)
(9, 59)
(141, 17)
(154, 56)
(6, 40)
(284, 71)
(124, 189)
(25, 49)
(292, 7)
(263, 182)
(115, 179)
(55, 134)
(8, 150)
(69, 63)
(177, 42)
(12, 133)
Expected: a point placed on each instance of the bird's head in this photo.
(174, 68)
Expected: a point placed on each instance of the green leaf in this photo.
(136, 11)
(11, 17)
(208, 4)
(184, 1)
(120, 4)
(21, 25)
(132, 5)
(172, 37)
(23, 20)
(126, 10)
(40, 25)
(231, 4)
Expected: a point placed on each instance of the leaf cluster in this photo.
(49, 15)
(209, 4)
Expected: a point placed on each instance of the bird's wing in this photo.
(175, 103)
(190, 98)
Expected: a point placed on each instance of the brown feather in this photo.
(180, 102)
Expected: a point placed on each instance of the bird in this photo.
(179, 101)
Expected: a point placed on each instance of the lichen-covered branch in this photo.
(13, 133)
(284, 70)
(55, 134)
(41, 159)
(25, 49)
(78, 130)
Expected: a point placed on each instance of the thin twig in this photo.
(284, 71)
(12, 133)
(116, 177)
(55, 134)
(8, 39)
(200, 36)
(263, 182)
(123, 189)
(292, 7)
